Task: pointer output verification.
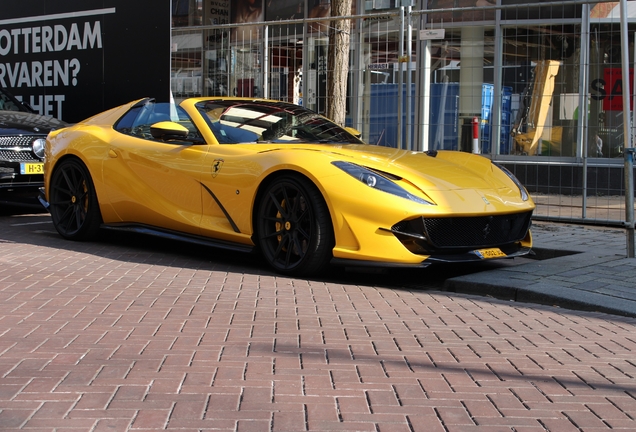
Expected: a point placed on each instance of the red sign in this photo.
(613, 100)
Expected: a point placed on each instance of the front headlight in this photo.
(522, 189)
(38, 147)
(377, 181)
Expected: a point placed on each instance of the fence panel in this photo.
(523, 79)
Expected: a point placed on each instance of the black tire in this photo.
(293, 227)
(73, 201)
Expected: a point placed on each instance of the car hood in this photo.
(17, 122)
(437, 170)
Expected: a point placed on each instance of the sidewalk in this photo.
(587, 270)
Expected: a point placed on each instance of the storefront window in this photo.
(462, 90)
(535, 65)
(450, 11)
(605, 112)
(186, 64)
(187, 13)
(216, 62)
(541, 73)
(533, 10)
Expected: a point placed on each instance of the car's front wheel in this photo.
(293, 227)
(73, 201)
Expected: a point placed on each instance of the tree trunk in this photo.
(338, 62)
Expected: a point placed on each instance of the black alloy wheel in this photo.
(294, 228)
(73, 202)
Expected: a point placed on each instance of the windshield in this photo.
(239, 121)
(10, 103)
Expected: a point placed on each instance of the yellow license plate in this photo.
(490, 253)
(32, 168)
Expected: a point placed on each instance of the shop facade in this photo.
(423, 72)
(523, 68)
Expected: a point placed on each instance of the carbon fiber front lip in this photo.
(436, 259)
(472, 257)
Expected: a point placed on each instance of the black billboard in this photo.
(76, 58)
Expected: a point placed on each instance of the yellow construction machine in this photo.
(533, 116)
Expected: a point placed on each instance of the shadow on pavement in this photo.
(139, 248)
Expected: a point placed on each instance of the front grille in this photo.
(17, 148)
(17, 140)
(456, 233)
(20, 156)
(476, 231)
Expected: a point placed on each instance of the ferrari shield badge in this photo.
(216, 167)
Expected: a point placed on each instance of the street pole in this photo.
(628, 150)
(400, 136)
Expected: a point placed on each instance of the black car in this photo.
(22, 138)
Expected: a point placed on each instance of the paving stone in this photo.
(110, 336)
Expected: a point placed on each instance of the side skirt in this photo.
(173, 235)
(343, 262)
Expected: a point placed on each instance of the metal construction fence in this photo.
(426, 78)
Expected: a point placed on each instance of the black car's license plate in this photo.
(31, 168)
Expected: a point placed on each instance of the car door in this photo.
(153, 181)
(230, 179)
(232, 168)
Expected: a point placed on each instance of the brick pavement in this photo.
(101, 336)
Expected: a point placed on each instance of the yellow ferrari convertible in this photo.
(273, 177)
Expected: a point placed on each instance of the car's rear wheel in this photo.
(293, 227)
(73, 201)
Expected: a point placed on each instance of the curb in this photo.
(584, 281)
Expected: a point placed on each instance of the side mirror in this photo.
(356, 133)
(167, 131)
